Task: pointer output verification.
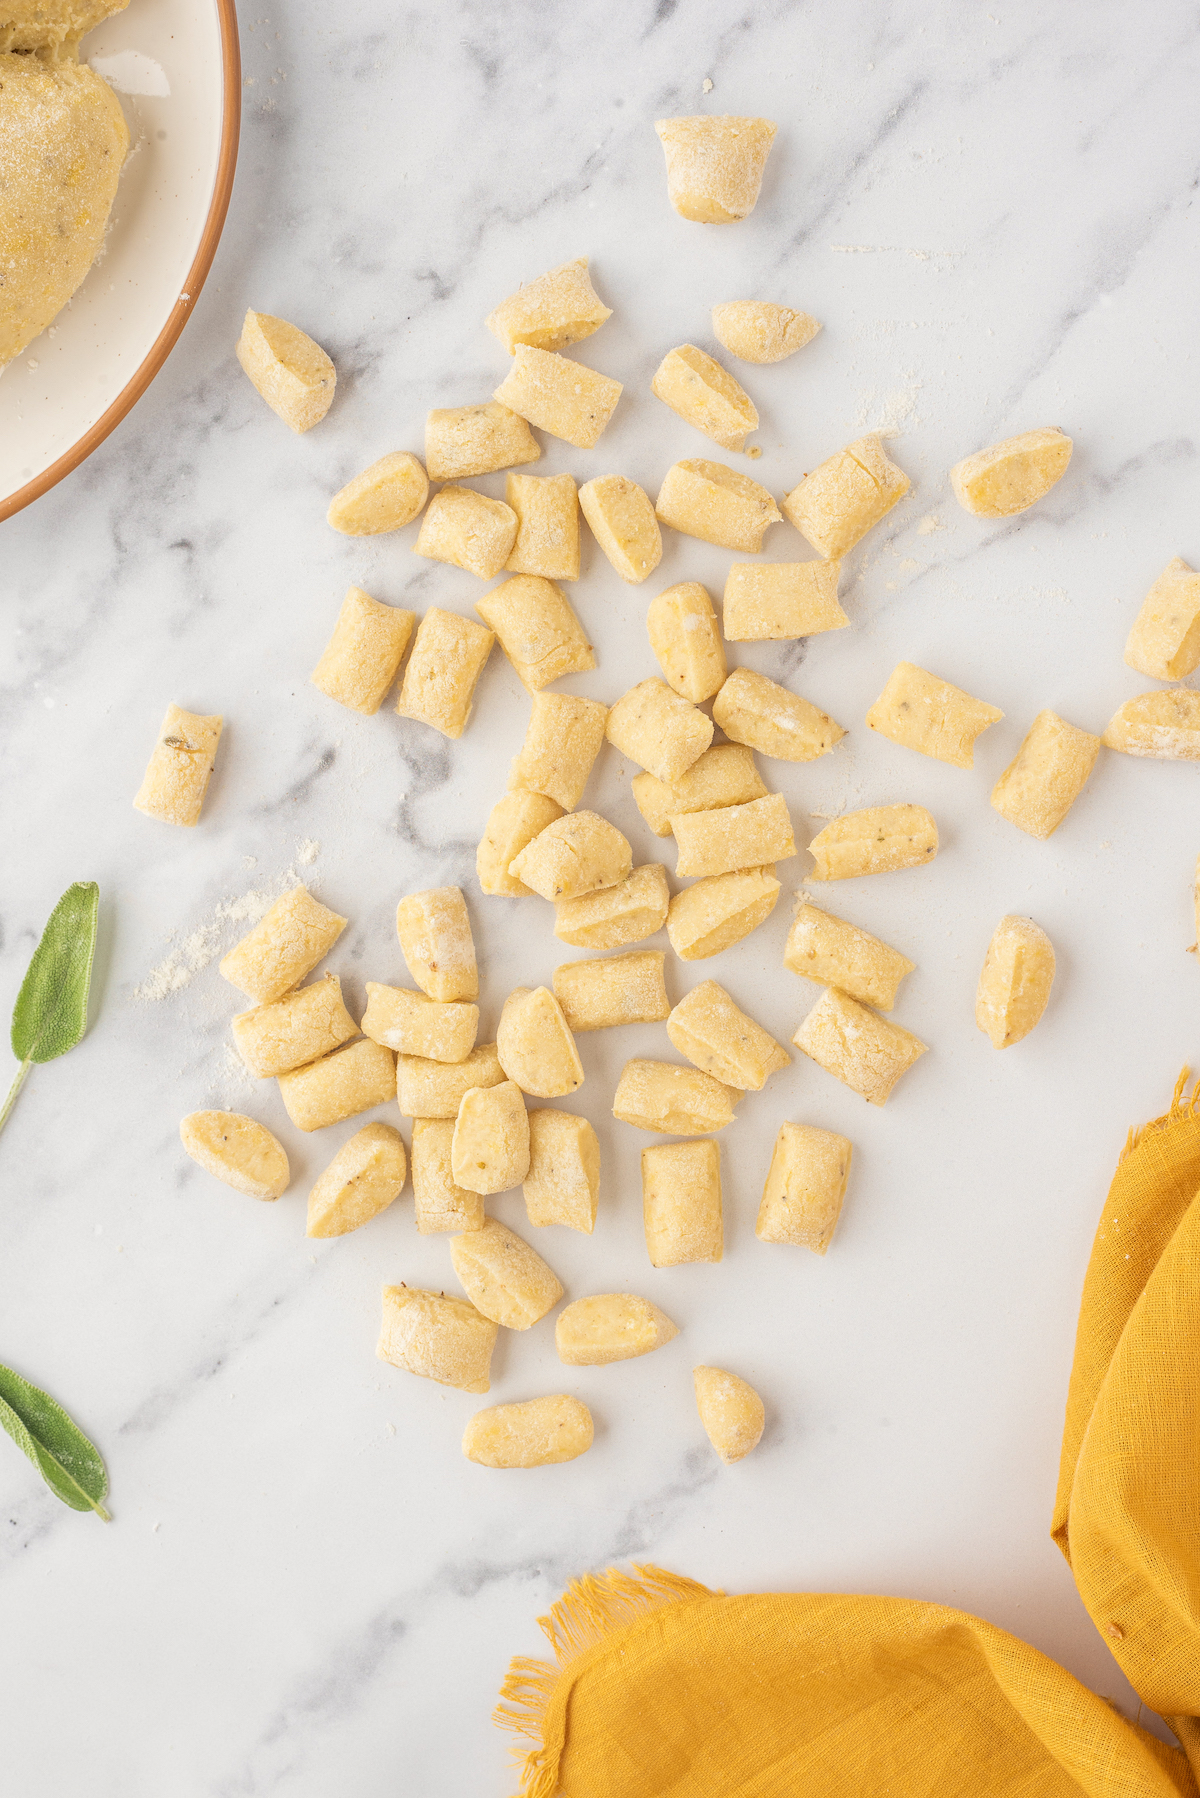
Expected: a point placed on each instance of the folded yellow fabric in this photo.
(661, 1688)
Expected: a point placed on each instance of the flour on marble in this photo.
(886, 414)
(929, 524)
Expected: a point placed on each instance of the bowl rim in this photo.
(160, 349)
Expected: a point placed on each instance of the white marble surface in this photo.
(306, 1589)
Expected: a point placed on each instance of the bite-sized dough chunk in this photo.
(1165, 640)
(412, 1024)
(435, 1089)
(384, 497)
(238, 1151)
(806, 1185)
(559, 395)
(547, 513)
(503, 1277)
(575, 855)
(439, 1338)
(623, 523)
(753, 710)
(539, 1433)
(626, 913)
(686, 638)
(717, 1036)
(921, 712)
(618, 989)
(469, 440)
(1013, 475)
(706, 395)
(489, 1151)
(718, 912)
(284, 1034)
(563, 1182)
(362, 1180)
(293, 374)
(284, 946)
(658, 729)
(833, 953)
(732, 1413)
(759, 331)
(512, 822)
(681, 1203)
(1165, 725)
(434, 930)
(362, 657)
(538, 631)
(723, 775)
(177, 774)
(715, 165)
(1018, 972)
(468, 530)
(447, 659)
(777, 601)
(561, 744)
(839, 502)
(535, 1045)
(557, 309)
(865, 1052)
(610, 1326)
(877, 840)
(441, 1207)
(339, 1085)
(675, 1101)
(717, 504)
(734, 836)
(1047, 775)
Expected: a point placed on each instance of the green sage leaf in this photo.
(70, 1465)
(50, 1015)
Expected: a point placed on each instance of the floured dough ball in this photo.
(757, 331)
(293, 374)
(51, 28)
(715, 165)
(63, 139)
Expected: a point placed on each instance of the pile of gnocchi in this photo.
(473, 1132)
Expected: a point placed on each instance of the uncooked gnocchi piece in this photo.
(675, 1101)
(921, 712)
(717, 504)
(238, 1151)
(723, 775)
(413, 1024)
(435, 1089)
(561, 744)
(1014, 987)
(547, 513)
(439, 1338)
(833, 953)
(537, 629)
(434, 931)
(732, 1413)
(753, 710)
(559, 395)
(1047, 775)
(503, 1277)
(878, 840)
(778, 601)
(686, 638)
(285, 945)
(805, 1188)
(839, 502)
(717, 912)
(539, 1433)
(384, 497)
(364, 654)
(461, 441)
(1013, 475)
(441, 1208)
(177, 774)
(658, 729)
(715, 165)
(1165, 725)
(284, 1034)
(512, 823)
(705, 395)
(468, 530)
(609, 919)
(292, 373)
(557, 309)
(681, 1203)
(1165, 640)
(489, 1151)
(575, 855)
(616, 989)
(734, 836)
(363, 1179)
(623, 523)
(535, 1044)
(759, 331)
(717, 1036)
(447, 660)
(339, 1085)
(608, 1327)
(563, 1182)
(865, 1052)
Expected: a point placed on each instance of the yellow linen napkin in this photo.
(661, 1688)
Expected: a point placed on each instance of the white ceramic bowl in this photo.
(177, 68)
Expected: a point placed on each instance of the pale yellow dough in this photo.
(238, 1151)
(717, 504)
(435, 1089)
(623, 523)
(440, 1338)
(1014, 987)
(489, 1151)
(561, 744)
(535, 1044)
(1013, 475)
(1165, 640)
(686, 638)
(878, 840)
(732, 1413)
(339, 1085)
(542, 1432)
(284, 1034)
(1165, 725)
(734, 836)
(715, 165)
(384, 497)
(559, 395)
(503, 1277)
(179, 769)
(658, 729)
(759, 713)
(1047, 775)
(806, 1185)
(557, 309)
(547, 514)
(434, 930)
(717, 912)
(612, 917)
(412, 1024)
(448, 657)
(717, 1036)
(723, 775)
(833, 953)
(291, 372)
(363, 1179)
(285, 945)
(921, 712)
(52, 28)
(363, 656)
(774, 601)
(575, 855)
(681, 1203)
(759, 331)
(563, 1182)
(865, 1052)
(461, 441)
(513, 822)
(617, 989)
(839, 502)
(468, 530)
(675, 1101)
(608, 1327)
(537, 630)
(705, 395)
(441, 1208)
